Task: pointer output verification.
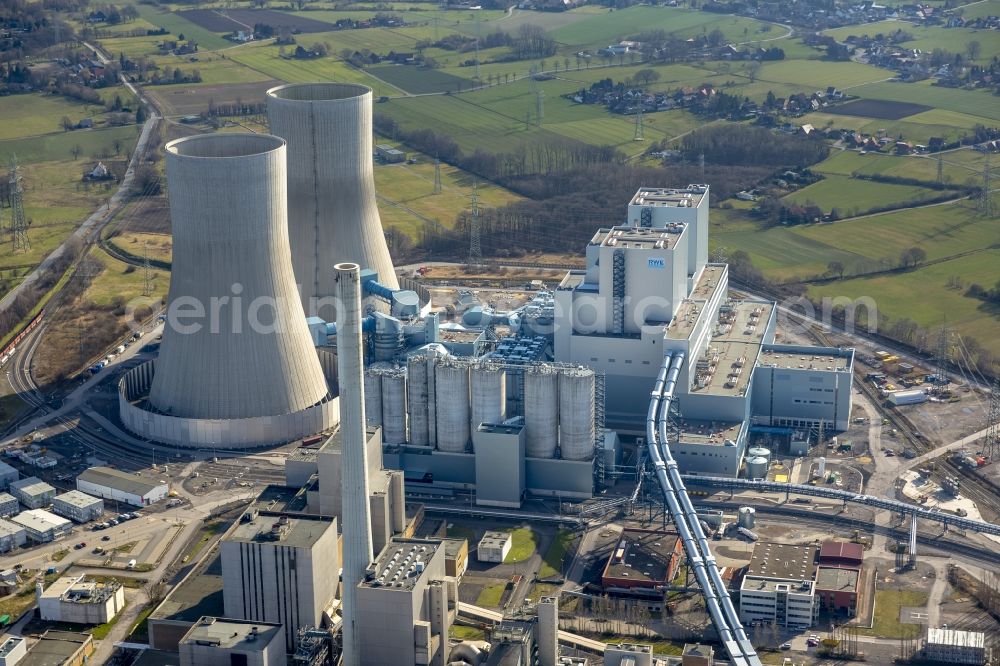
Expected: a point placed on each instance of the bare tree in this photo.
(76, 150)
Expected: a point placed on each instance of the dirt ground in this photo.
(194, 99)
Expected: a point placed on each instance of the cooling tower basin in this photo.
(332, 213)
(236, 361)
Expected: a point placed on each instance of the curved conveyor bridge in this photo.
(700, 559)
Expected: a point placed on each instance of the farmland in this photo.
(864, 194)
(40, 114)
(877, 108)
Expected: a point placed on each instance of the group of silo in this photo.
(445, 399)
(259, 221)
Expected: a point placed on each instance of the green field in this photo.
(39, 113)
(888, 605)
(178, 25)
(267, 61)
(524, 541)
(848, 162)
(972, 102)
(850, 195)
(491, 595)
(59, 146)
(418, 80)
(928, 38)
(552, 563)
(819, 74)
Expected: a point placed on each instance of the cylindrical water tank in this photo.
(416, 400)
(373, 398)
(576, 414)
(821, 467)
(759, 452)
(757, 468)
(489, 395)
(747, 517)
(541, 411)
(451, 386)
(394, 406)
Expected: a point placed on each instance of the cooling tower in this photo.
(250, 354)
(332, 212)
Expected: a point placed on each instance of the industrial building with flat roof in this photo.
(77, 600)
(642, 559)
(301, 559)
(953, 646)
(78, 506)
(494, 546)
(197, 595)
(406, 605)
(42, 526)
(838, 576)
(121, 486)
(58, 648)
(32, 492)
(8, 505)
(13, 650)
(213, 641)
(8, 475)
(779, 586)
(12, 535)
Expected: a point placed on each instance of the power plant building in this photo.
(406, 605)
(77, 600)
(213, 641)
(236, 367)
(280, 569)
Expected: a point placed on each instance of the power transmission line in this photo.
(18, 222)
(147, 272)
(638, 127)
(475, 249)
(985, 203)
(992, 445)
(437, 176)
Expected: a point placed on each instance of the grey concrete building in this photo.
(32, 492)
(405, 610)
(13, 650)
(78, 506)
(8, 505)
(77, 600)
(12, 535)
(215, 641)
(280, 569)
(7, 475)
(800, 387)
(779, 586)
(119, 486)
(499, 464)
(42, 526)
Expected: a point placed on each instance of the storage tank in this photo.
(489, 394)
(910, 397)
(451, 388)
(416, 400)
(747, 517)
(394, 406)
(576, 414)
(759, 452)
(820, 467)
(757, 468)
(373, 397)
(541, 411)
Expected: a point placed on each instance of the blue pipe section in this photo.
(378, 289)
(367, 326)
(696, 546)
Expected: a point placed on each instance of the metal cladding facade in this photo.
(333, 216)
(249, 355)
(354, 457)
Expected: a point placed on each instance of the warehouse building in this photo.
(62, 648)
(8, 505)
(301, 559)
(803, 387)
(838, 576)
(952, 646)
(78, 506)
(76, 600)
(32, 492)
(113, 484)
(42, 526)
(779, 586)
(404, 610)
(494, 546)
(213, 641)
(642, 560)
(8, 475)
(12, 536)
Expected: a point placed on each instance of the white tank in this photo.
(541, 411)
(821, 467)
(489, 394)
(576, 414)
(759, 452)
(373, 398)
(394, 406)
(757, 468)
(747, 517)
(416, 400)
(451, 387)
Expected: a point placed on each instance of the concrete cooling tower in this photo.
(332, 213)
(244, 372)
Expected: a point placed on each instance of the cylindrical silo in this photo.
(489, 394)
(373, 397)
(759, 452)
(451, 385)
(541, 411)
(747, 517)
(757, 468)
(576, 414)
(332, 212)
(249, 353)
(416, 400)
(394, 406)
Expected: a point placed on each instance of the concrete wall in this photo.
(803, 397)
(499, 466)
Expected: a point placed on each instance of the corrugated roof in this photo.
(113, 478)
